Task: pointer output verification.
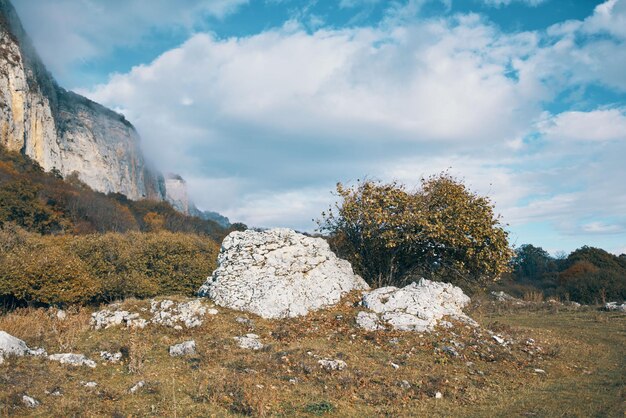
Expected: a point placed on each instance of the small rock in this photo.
(111, 357)
(61, 315)
(368, 321)
(249, 342)
(613, 306)
(331, 365)
(137, 386)
(539, 371)
(438, 395)
(244, 321)
(72, 359)
(183, 349)
(394, 341)
(499, 339)
(404, 384)
(450, 351)
(30, 402)
(89, 384)
(394, 365)
(212, 311)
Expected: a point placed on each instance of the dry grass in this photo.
(581, 352)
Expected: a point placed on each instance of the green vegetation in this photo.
(62, 269)
(587, 275)
(442, 231)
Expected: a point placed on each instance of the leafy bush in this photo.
(443, 231)
(93, 268)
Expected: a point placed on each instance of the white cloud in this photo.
(597, 125)
(263, 126)
(599, 227)
(499, 3)
(70, 31)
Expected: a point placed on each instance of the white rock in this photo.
(499, 339)
(90, 384)
(438, 395)
(137, 386)
(183, 349)
(502, 296)
(30, 402)
(331, 365)
(106, 318)
(278, 274)
(249, 342)
(72, 359)
(111, 357)
(368, 321)
(61, 315)
(13, 346)
(171, 314)
(613, 306)
(418, 306)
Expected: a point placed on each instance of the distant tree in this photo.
(532, 263)
(443, 231)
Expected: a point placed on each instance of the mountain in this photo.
(176, 194)
(63, 131)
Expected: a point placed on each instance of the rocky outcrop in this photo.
(614, 306)
(13, 346)
(278, 274)
(416, 307)
(62, 130)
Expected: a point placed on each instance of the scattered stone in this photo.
(394, 341)
(249, 342)
(30, 402)
(404, 384)
(294, 380)
(368, 321)
(539, 371)
(332, 365)
(416, 307)
(13, 346)
(89, 384)
(183, 349)
(111, 357)
(451, 351)
(502, 296)
(170, 313)
(61, 315)
(244, 321)
(613, 306)
(279, 274)
(136, 387)
(499, 339)
(394, 365)
(212, 311)
(73, 359)
(106, 318)
(438, 395)
(55, 392)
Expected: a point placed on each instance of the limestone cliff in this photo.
(177, 196)
(63, 130)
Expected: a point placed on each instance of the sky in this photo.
(264, 105)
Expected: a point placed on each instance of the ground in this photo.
(575, 366)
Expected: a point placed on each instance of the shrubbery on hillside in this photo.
(45, 203)
(62, 269)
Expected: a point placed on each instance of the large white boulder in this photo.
(278, 274)
(416, 307)
(13, 346)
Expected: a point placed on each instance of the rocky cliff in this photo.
(62, 130)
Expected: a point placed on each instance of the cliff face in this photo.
(63, 130)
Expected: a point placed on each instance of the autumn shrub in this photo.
(442, 231)
(59, 270)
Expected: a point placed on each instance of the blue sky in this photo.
(263, 105)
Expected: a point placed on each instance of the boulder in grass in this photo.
(279, 273)
(416, 307)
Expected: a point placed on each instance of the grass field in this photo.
(581, 351)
